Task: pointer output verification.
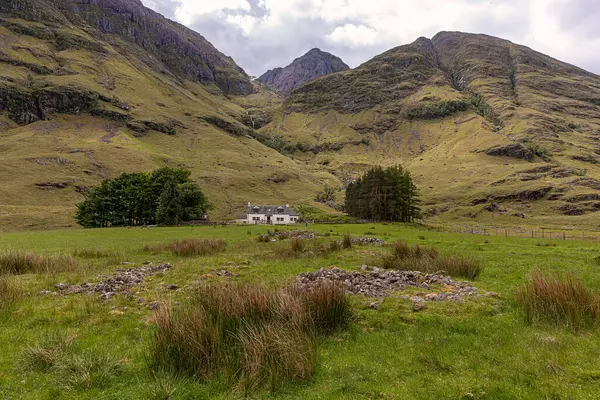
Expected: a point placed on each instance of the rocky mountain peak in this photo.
(313, 64)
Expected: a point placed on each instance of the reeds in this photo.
(252, 335)
(427, 259)
(558, 300)
(189, 247)
(19, 262)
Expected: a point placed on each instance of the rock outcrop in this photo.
(161, 43)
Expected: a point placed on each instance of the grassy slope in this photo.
(549, 106)
(82, 150)
(479, 349)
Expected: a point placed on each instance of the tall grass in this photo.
(190, 247)
(10, 291)
(250, 335)
(24, 262)
(347, 241)
(558, 300)
(428, 260)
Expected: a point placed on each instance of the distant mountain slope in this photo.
(492, 129)
(303, 69)
(89, 90)
(182, 51)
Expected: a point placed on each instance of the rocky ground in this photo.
(122, 280)
(376, 282)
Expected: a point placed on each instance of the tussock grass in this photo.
(55, 354)
(24, 262)
(47, 354)
(97, 253)
(298, 247)
(10, 291)
(428, 260)
(558, 300)
(189, 247)
(252, 335)
(347, 241)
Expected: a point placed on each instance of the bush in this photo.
(427, 259)
(24, 262)
(557, 300)
(189, 247)
(249, 334)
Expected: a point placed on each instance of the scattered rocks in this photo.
(418, 306)
(377, 282)
(121, 281)
(367, 240)
(172, 287)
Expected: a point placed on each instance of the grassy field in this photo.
(479, 349)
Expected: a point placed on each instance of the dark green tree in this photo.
(383, 195)
(134, 199)
(169, 209)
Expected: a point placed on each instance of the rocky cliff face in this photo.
(166, 45)
(310, 66)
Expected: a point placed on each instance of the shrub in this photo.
(189, 247)
(9, 292)
(428, 260)
(249, 334)
(24, 262)
(558, 300)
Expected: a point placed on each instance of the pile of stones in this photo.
(122, 280)
(275, 236)
(376, 282)
(367, 240)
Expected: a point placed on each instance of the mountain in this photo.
(303, 69)
(493, 131)
(91, 89)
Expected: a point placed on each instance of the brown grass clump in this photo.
(10, 291)
(427, 259)
(560, 301)
(189, 247)
(253, 335)
(25, 262)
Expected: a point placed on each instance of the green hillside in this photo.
(492, 131)
(78, 111)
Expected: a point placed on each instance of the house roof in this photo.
(272, 210)
(241, 216)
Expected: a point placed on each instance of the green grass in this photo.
(482, 348)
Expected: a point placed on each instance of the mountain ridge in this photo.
(492, 131)
(314, 64)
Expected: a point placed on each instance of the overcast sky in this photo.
(263, 34)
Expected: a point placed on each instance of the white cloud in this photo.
(352, 35)
(262, 34)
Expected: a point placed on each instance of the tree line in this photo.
(165, 196)
(383, 195)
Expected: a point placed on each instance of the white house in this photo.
(269, 215)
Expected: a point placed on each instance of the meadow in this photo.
(57, 345)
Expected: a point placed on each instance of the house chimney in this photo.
(287, 205)
(249, 204)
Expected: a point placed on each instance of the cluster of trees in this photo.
(383, 195)
(166, 196)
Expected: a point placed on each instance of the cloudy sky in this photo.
(263, 34)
